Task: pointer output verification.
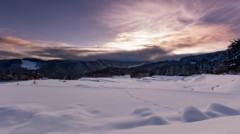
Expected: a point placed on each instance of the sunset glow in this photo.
(174, 27)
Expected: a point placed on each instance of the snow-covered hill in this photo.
(196, 104)
(29, 65)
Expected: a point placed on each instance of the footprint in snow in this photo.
(215, 87)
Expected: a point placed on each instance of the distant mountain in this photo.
(56, 69)
(212, 63)
(197, 64)
(227, 61)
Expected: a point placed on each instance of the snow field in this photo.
(158, 104)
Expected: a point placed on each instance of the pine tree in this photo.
(232, 56)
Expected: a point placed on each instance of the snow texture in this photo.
(196, 104)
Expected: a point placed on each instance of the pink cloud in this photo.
(170, 23)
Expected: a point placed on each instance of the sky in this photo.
(116, 29)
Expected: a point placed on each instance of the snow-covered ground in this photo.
(201, 104)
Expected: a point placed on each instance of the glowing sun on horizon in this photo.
(136, 40)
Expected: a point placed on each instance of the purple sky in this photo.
(116, 29)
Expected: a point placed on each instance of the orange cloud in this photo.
(14, 42)
(12, 47)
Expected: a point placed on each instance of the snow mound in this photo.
(201, 77)
(143, 80)
(40, 123)
(232, 86)
(192, 114)
(121, 77)
(98, 80)
(127, 124)
(142, 112)
(58, 120)
(10, 116)
(195, 78)
(29, 65)
(166, 78)
(222, 109)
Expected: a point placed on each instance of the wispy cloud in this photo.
(12, 47)
(11, 42)
(200, 24)
(145, 30)
(10, 54)
(150, 53)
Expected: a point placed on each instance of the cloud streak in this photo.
(200, 24)
(9, 54)
(145, 30)
(24, 48)
(150, 53)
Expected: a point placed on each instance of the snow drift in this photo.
(122, 105)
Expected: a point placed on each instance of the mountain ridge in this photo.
(220, 62)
